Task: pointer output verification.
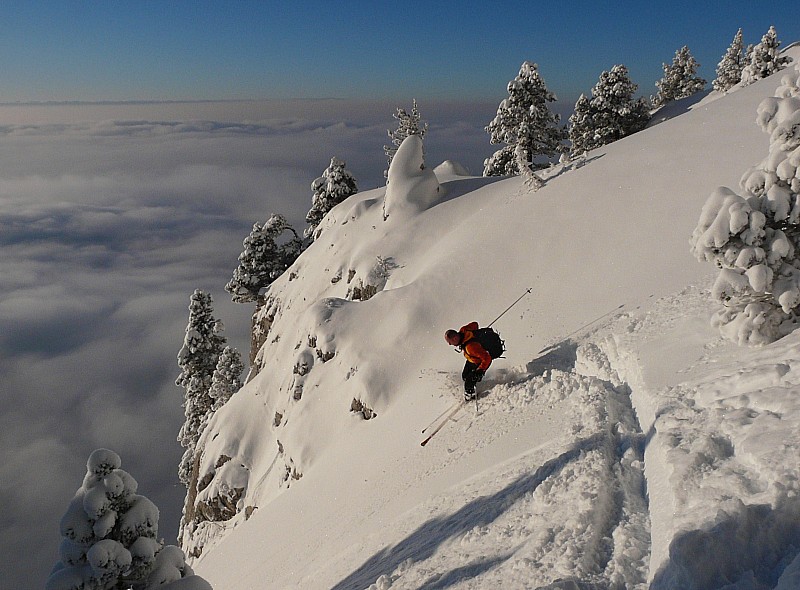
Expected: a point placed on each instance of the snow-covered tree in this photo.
(754, 238)
(611, 114)
(729, 69)
(581, 126)
(525, 124)
(203, 344)
(407, 124)
(227, 377)
(263, 259)
(330, 189)
(110, 537)
(765, 58)
(680, 78)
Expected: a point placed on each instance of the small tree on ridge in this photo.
(680, 79)
(525, 124)
(330, 189)
(407, 124)
(611, 114)
(263, 259)
(729, 69)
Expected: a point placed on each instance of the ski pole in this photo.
(567, 337)
(510, 306)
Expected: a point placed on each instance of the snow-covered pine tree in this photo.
(754, 238)
(525, 124)
(330, 189)
(263, 259)
(407, 124)
(611, 114)
(765, 58)
(680, 78)
(227, 377)
(729, 69)
(203, 344)
(581, 126)
(110, 537)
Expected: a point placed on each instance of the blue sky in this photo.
(206, 50)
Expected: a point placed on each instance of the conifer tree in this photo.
(227, 377)
(680, 79)
(407, 124)
(330, 189)
(525, 124)
(263, 259)
(110, 537)
(729, 69)
(581, 126)
(753, 236)
(611, 114)
(203, 344)
(765, 59)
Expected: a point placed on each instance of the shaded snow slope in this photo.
(621, 443)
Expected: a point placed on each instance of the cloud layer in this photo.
(110, 217)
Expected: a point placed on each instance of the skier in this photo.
(478, 358)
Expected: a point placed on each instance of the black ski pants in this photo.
(470, 376)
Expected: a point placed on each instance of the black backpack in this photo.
(490, 340)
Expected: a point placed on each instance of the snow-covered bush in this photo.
(729, 69)
(110, 537)
(610, 114)
(524, 121)
(330, 189)
(765, 59)
(680, 78)
(754, 238)
(203, 344)
(407, 124)
(263, 259)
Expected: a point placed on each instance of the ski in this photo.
(436, 420)
(452, 413)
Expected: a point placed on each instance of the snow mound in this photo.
(450, 169)
(411, 187)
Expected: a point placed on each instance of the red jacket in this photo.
(473, 351)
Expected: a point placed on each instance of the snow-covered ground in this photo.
(622, 442)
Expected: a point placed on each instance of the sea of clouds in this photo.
(111, 215)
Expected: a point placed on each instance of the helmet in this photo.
(453, 338)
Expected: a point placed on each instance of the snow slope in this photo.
(621, 443)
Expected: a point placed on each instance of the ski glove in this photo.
(478, 375)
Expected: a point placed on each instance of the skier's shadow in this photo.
(482, 511)
(561, 356)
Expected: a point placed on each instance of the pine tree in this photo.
(203, 344)
(330, 189)
(227, 377)
(754, 237)
(765, 59)
(581, 126)
(525, 124)
(611, 114)
(407, 124)
(263, 259)
(680, 79)
(110, 536)
(729, 69)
